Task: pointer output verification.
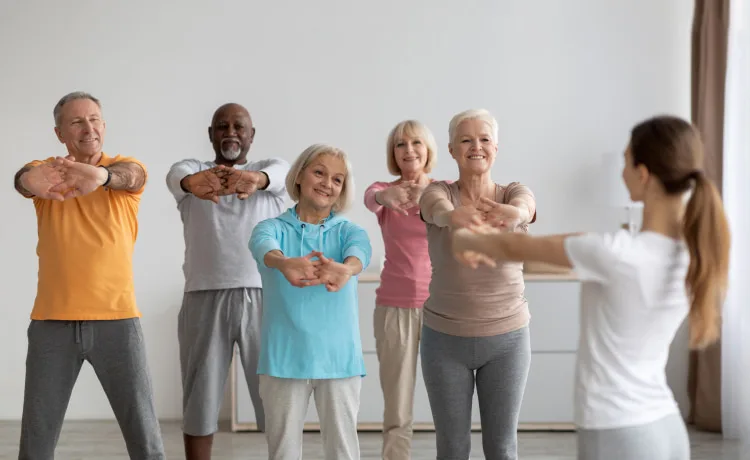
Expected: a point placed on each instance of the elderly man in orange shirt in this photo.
(85, 308)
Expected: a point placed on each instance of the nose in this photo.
(476, 144)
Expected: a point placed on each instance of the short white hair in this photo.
(472, 114)
(305, 158)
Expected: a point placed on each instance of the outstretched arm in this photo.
(18, 183)
(516, 247)
(126, 175)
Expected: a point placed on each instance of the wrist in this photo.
(263, 181)
(105, 176)
(184, 184)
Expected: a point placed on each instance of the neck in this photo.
(220, 160)
(475, 186)
(87, 159)
(312, 215)
(417, 176)
(664, 216)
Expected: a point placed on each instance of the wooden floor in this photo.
(102, 441)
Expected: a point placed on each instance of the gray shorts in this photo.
(209, 324)
(664, 439)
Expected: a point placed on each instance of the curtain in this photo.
(709, 51)
(736, 191)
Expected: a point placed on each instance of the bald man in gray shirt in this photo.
(220, 202)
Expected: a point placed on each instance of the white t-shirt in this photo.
(633, 301)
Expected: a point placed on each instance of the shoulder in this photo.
(107, 160)
(264, 163)
(613, 245)
(379, 185)
(514, 189)
(34, 163)
(440, 186)
(191, 163)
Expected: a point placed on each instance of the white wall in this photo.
(566, 80)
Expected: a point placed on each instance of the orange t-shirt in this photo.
(85, 254)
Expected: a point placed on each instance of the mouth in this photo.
(234, 143)
(89, 140)
(477, 157)
(322, 193)
(411, 159)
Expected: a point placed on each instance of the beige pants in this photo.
(337, 402)
(397, 335)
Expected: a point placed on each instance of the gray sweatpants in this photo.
(116, 351)
(209, 324)
(664, 439)
(499, 366)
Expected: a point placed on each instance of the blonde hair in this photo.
(411, 128)
(311, 153)
(672, 150)
(472, 114)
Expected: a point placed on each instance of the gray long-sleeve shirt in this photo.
(217, 235)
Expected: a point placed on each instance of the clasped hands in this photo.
(470, 223)
(401, 197)
(63, 178)
(315, 269)
(223, 180)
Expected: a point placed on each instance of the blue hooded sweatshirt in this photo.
(309, 333)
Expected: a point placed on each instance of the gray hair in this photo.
(472, 114)
(57, 112)
(347, 190)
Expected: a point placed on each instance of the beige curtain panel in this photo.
(709, 61)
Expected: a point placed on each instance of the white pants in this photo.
(337, 402)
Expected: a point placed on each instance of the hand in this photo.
(465, 216)
(335, 275)
(41, 179)
(504, 216)
(79, 178)
(205, 185)
(401, 197)
(467, 245)
(243, 183)
(301, 271)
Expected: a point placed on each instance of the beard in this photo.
(231, 150)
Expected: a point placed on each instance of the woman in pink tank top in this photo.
(411, 153)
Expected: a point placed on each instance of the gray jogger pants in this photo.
(117, 352)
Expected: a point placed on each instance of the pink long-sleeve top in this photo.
(405, 279)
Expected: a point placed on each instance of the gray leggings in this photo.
(664, 439)
(499, 365)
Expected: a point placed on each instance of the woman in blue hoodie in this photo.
(309, 258)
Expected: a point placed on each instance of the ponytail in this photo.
(707, 235)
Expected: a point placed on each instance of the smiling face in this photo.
(231, 134)
(81, 128)
(473, 146)
(321, 182)
(411, 154)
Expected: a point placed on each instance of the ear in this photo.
(643, 174)
(59, 135)
(252, 134)
(211, 134)
(450, 149)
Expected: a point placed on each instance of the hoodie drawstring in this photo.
(302, 242)
(320, 238)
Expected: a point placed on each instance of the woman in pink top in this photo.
(404, 283)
